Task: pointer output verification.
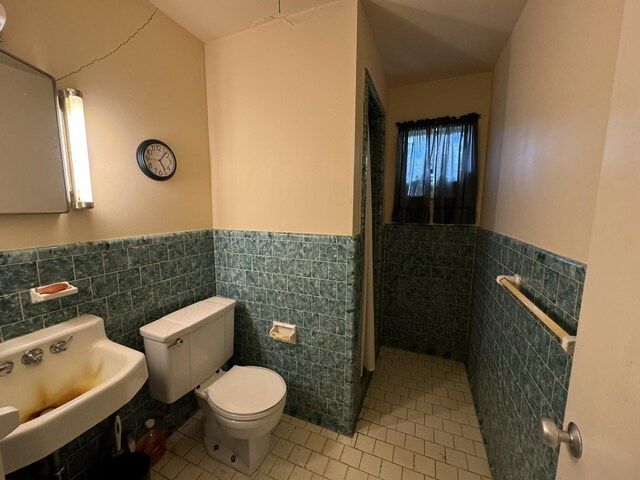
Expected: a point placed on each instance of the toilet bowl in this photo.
(185, 350)
(246, 401)
(241, 408)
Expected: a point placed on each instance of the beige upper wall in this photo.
(454, 97)
(281, 101)
(603, 395)
(367, 58)
(151, 88)
(552, 88)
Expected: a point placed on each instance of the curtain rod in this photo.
(467, 119)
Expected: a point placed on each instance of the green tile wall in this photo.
(309, 281)
(428, 273)
(360, 383)
(517, 368)
(128, 282)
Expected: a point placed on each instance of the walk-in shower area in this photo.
(437, 294)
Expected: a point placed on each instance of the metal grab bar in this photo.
(511, 283)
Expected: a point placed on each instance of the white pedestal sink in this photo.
(65, 393)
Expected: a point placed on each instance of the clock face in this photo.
(156, 160)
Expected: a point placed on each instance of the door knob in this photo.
(552, 436)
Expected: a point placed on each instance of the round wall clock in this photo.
(156, 160)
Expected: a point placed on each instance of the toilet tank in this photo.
(187, 346)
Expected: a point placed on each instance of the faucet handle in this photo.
(32, 357)
(60, 345)
(6, 367)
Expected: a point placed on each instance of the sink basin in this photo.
(66, 393)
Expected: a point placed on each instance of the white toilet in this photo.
(185, 350)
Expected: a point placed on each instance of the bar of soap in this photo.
(53, 288)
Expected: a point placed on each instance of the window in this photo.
(437, 171)
(417, 164)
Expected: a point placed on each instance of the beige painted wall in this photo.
(552, 87)
(151, 88)
(281, 100)
(454, 96)
(367, 58)
(604, 397)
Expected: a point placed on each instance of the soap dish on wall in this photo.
(284, 332)
(52, 291)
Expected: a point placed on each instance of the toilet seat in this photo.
(246, 393)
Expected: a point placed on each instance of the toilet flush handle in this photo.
(177, 343)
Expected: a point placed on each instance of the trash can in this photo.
(130, 466)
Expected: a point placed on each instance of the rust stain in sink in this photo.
(46, 400)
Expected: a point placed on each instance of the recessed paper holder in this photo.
(284, 332)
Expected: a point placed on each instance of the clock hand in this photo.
(160, 160)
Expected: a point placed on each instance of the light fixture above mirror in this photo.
(44, 161)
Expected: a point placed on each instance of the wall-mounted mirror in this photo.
(32, 176)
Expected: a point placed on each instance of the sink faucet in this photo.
(32, 357)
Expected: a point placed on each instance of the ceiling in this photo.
(212, 19)
(423, 40)
(418, 40)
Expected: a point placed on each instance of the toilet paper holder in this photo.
(284, 332)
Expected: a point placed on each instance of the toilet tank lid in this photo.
(222, 301)
(187, 319)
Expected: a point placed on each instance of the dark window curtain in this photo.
(413, 184)
(456, 171)
(443, 150)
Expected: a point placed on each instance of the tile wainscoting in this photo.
(517, 368)
(128, 282)
(309, 281)
(312, 282)
(428, 274)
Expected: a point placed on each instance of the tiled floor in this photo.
(418, 423)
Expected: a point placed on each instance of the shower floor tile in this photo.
(418, 423)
